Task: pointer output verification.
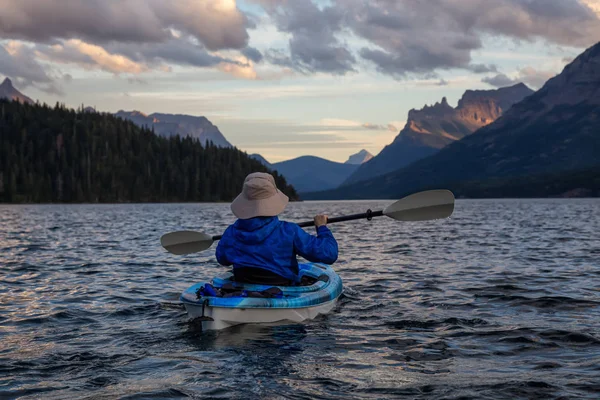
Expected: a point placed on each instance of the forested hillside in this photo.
(57, 154)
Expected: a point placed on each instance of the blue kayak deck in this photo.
(327, 288)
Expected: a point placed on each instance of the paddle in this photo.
(422, 206)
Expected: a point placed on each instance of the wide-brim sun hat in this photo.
(259, 198)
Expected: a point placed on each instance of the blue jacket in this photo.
(267, 242)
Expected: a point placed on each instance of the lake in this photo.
(502, 301)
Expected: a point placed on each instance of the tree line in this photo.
(57, 154)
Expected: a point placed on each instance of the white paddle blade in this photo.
(422, 206)
(186, 242)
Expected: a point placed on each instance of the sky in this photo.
(286, 78)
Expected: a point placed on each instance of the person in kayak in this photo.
(263, 249)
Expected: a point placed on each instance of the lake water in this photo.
(502, 301)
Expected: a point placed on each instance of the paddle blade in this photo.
(422, 206)
(186, 242)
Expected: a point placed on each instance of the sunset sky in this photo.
(287, 78)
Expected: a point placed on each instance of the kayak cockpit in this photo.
(294, 304)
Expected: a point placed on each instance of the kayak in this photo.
(293, 304)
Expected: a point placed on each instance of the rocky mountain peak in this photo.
(433, 127)
(7, 83)
(435, 110)
(359, 158)
(8, 91)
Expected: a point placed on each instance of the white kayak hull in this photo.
(226, 317)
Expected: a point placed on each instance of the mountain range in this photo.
(8, 91)
(310, 173)
(301, 171)
(178, 124)
(433, 127)
(553, 132)
(504, 142)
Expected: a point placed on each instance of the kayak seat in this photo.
(229, 290)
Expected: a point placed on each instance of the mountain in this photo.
(554, 132)
(56, 154)
(8, 91)
(359, 158)
(178, 124)
(309, 173)
(262, 160)
(433, 127)
(572, 183)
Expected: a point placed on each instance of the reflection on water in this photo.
(501, 301)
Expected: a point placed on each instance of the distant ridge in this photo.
(178, 124)
(309, 173)
(262, 160)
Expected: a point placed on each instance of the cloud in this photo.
(313, 46)
(135, 80)
(534, 77)
(500, 80)
(401, 38)
(565, 22)
(89, 56)
(423, 36)
(351, 125)
(131, 36)
(482, 68)
(239, 69)
(529, 75)
(410, 36)
(252, 54)
(126, 58)
(594, 5)
(18, 62)
(181, 51)
(407, 37)
(216, 24)
(374, 127)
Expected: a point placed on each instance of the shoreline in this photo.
(296, 201)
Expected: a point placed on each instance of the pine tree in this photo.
(54, 154)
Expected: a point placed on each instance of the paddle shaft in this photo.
(368, 215)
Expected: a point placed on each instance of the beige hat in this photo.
(259, 198)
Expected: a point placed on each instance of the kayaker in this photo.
(263, 249)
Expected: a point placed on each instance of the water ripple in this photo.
(499, 302)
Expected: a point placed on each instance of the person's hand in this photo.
(320, 220)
